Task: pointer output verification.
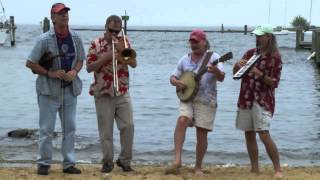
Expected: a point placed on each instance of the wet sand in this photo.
(90, 172)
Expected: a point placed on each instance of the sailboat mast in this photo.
(310, 11)
(4, 14)
(285, 14)
(269, 11)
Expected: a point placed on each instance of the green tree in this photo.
(300, 22)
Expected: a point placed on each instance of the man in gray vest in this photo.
(57, 57)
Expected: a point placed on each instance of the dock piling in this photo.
(12, 29)
(125, 18)
(46, 25)
(316, 45)
(245, 29)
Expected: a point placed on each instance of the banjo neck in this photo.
(203, 69)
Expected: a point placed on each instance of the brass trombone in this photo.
(115, 69)
(127, 55)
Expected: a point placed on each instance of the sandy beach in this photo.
(91, 172)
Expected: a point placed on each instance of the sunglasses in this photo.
(113, 31)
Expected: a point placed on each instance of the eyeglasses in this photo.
(113, 31)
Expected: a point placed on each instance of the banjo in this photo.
(191, 79)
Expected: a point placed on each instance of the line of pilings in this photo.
(222, 30)
(46, 27)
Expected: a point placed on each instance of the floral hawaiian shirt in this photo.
(103, 78)
(253, 89)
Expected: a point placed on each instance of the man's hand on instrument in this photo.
(242, 62)
(256, 72)
(118, 44)
(70, 75)
(179, 84)
(106, 55)
(213, 69)
(59, 74)
(133, 64)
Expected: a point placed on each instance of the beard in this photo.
(194, 48)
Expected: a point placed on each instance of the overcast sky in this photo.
(169, 12)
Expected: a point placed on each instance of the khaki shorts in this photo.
(201, 115)
(254, 119)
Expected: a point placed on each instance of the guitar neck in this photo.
(223, 58)
(203, 71)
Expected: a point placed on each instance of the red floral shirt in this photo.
(252, 88)
(103, 79)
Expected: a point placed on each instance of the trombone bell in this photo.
(127, 55)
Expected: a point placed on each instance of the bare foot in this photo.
(278, 174)
(173, 169)
(198, 172)
(255, 171)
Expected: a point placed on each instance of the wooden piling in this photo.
(125, 18)
(316, 45)
(46, 25)
(313, 46)
(245, 29)
(299, 37)
(222, 28)
(12, 29)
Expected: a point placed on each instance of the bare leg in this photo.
(202, 144)
(253, 151)
(272, 151)
(179, 136)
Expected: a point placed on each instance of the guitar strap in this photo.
(203, 67)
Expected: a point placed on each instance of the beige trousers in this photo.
(119, 109)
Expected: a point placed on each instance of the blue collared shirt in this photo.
(47, 42)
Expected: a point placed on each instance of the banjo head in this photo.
(191, 87)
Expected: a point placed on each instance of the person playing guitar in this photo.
(200, 110)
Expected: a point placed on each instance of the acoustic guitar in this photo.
(47, 58)
(192, 80)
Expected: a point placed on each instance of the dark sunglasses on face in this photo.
(113, 31)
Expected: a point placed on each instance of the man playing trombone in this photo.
(256, 99)
(106, 58)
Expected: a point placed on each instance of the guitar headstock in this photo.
(223, 58)
(226, 57)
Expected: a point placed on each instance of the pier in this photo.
(222, 30)
(313, 46)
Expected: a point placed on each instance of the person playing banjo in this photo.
(200, 110)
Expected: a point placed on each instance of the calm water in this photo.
(296, 125)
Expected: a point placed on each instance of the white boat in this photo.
(282, 32)
(3, 36)
(4, 25)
